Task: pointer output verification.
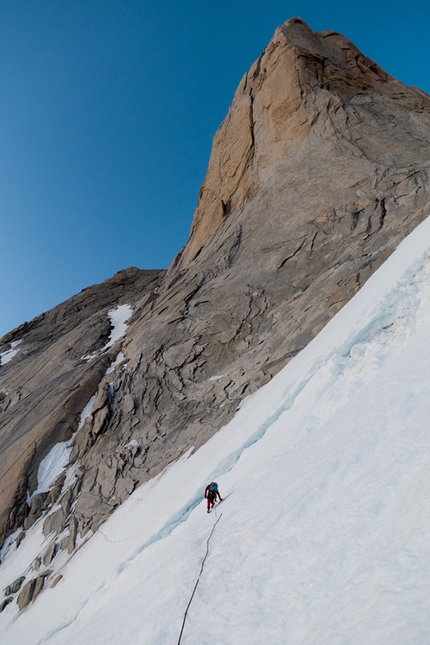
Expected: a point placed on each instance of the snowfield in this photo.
(323, 537)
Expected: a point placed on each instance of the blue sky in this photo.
(107, 112)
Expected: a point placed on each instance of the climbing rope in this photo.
(198, 580)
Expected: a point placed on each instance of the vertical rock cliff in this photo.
(319, 170)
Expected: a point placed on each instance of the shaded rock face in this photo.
(44, 388)
(319, 170)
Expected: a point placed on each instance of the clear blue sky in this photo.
(107, 111)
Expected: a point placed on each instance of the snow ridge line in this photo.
(198, 580)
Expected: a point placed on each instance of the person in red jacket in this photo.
(211, 494)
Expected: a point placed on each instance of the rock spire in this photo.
(302, 84)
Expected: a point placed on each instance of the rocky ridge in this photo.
(319, 170)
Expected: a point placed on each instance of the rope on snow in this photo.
(198, 580)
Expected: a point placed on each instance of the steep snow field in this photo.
(323, 536)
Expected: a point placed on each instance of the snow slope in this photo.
(323, 536)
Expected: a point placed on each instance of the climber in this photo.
(211, 494)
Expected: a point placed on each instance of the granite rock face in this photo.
(316, 117)
(319, 170)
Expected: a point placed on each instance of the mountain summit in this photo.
(318, 171)
(309, 100)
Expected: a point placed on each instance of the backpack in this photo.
(213, 488)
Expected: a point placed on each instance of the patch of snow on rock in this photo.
(86, 411)
(9, 543)
(7, 356)
(116, 362)
(118, 318)
(56, 460)
(131, 444)
(52, 466)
